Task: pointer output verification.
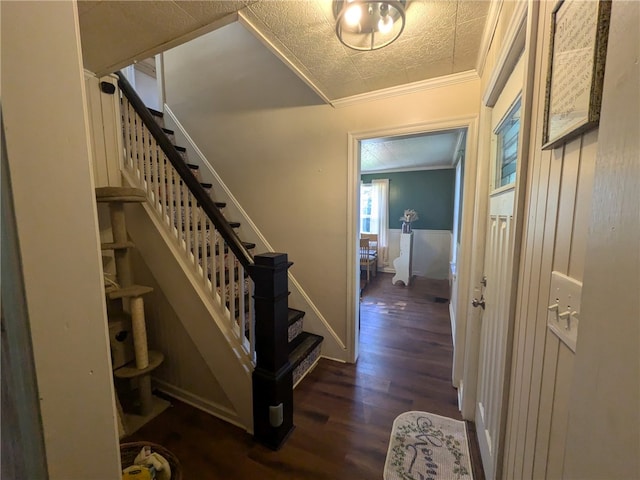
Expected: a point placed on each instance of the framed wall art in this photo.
(578, 49)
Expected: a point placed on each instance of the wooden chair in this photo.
(367, 259)
(373, 242)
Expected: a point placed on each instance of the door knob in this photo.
(478, 303)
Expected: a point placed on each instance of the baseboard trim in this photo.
(333, 359)
(452, 317)
(207, 406)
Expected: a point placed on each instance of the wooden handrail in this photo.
(192, 183)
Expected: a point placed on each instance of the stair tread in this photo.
(302, 346)
(168, 131)
(117, 245)
(295, 315)
(120, 194)
(131, 291)
(180, 149)
(131, 371)
(155, 113)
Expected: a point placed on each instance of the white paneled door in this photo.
(495, 337)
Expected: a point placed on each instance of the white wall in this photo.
(284, 155)
(50, 164)
(147, 87)
(106, 133)
(431, 252)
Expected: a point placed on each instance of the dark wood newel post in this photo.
(273, 376)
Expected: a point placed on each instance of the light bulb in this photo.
(385, 24)
(352, 15)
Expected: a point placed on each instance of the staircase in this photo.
(247, 292)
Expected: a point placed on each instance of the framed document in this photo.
(579, 32)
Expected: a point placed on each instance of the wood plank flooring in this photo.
(343, 412)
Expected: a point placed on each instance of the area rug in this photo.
(425, 446)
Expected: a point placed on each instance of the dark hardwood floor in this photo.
(343, 412)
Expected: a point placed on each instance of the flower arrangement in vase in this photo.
(410, 215)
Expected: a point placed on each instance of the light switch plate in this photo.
(563, 315)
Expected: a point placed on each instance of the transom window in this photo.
(507, 154)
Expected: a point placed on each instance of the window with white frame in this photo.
(366, 207)
(374, 214)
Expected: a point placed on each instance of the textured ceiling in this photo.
(441, 37)
(193, 86)
(431, 150)
(116, 33)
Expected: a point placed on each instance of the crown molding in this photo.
(407, 169)
(438, 82)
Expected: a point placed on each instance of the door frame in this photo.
(517, 41)
(353, 213)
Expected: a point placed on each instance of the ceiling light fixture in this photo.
(368, 24)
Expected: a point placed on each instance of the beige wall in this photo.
(287, 165)
(559, 187)
(603, 429)
(50, 165)
(184, 372)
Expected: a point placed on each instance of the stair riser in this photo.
(226, 290)
(184, 156)
(306, 365)
(295, 329)
(210, 265)
(171, 137)
(159, 121)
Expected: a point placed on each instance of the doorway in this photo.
(369, 141)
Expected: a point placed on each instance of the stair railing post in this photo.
(273, 376)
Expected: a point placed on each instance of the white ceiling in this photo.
(442, 37)
(415, 152)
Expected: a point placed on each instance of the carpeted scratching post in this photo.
(144, 361)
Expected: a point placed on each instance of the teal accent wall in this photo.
(428, 192)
